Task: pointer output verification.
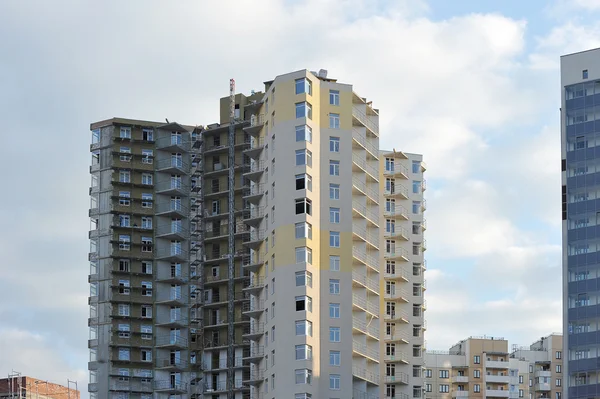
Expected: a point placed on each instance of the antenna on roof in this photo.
(167, 120)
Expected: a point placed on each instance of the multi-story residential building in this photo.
(33, 388)
(257, 269)
(402, 224)
(545, 366)
(477, 367)
(580, 135)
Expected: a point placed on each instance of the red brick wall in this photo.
(42, 389)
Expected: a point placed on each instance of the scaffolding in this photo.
(231, 247)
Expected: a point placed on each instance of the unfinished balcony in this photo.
(257, 121)
(170, 386)
(252, 263)
(172, 208)
(256, 145)
(253, 308)
(172, 165)
(171, 364)
(255, 285)
(174, 143)
(255, 331)
(254, 193)
(171, 342)
(255, 170)
(254, 239)
(172, 187)
(253, 216)
(255, 354)
(172, 231)
(171, 321)
(255, 377)
(172, 254)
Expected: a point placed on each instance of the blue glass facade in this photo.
(581, 201)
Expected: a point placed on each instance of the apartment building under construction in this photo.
(249, 258)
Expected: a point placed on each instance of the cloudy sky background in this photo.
(473, 87)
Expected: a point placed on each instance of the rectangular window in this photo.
(147, 311)
(520, 379)
(303, 205)
(124, 309)
(303, 182)
(124, 220)
(334, 168)
(334, 215)
(124, 354)
(95, 136)
(124, 242)
(124, 287)
(428, 373)
(147, 267)
(521, 393)
(416, 207)
(444, 374)
(303, 110)
(444, 388)
(124, 198)
(303, 352)
(334, 286)
(558, 355)
(477, 388)
(334, 144)
(146, 200)
(304, 328)
(303, 376)
(147, 135)
(334, 239)
(124, 176)
(146, 222)
(303, 157)
(334, 334)
(303, 230)
(427, 387)
(125, 133)
(304, 279)
(558, 368)
(303, 85)
(334, 358)
(303, 303)
(334, 310)
(147, 179)
(304, 133)
(334, 263)
(416, 166)
(334, 121)
(477, 373)
(558, 382)
(334, 97)
(416, 186)
(477, 359)
(334, 382)
(584, 74)
(334, 191)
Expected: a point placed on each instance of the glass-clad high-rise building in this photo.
(580, 165)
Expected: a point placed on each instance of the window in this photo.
(146, 200)
(124, 287)
(124, 220)
(520, 379)
(334, 121)
(303, 157)
(304, 133)
(146, 288)
(303, 182)
(416, 165)
(146, 244)
(334, 334)
(334, 310)
(124, 265)
(303, 230)
(147, 311)
(147, 179)
(334, 144)
(334, 263)
(95, 136)
(477, 359)
(125, 133)
(334, 168)
(334, 286)
(304, 254)
(558, 355)
(125, 150)
(146, 355)
(303, 86)
(416, 205)
(124, 309)
(304, 278)
(272, 335)
(334, 358)
(303, 205)
(427, 387)
(584, 74)
(303, 352)
(558, 382)
(147, 267)
(334, 239)
(521, 393)
(476, 373)
(302, 396)
(303, 376)
(558, 368)
(477, 388)
(444, 388)
(303, 303)
(124, 176)
(304, 327)
(428, 373)
(124, 198)
(147, 135)
(124, 242)
(334, 381)
(444, 374)
(416, 186)
(334, 97)
(303, 110)
(124, 354)
(146, 222)
(334, 191)
(334, 215)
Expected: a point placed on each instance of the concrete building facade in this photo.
(544, 358)
(278, 293)
(580, 165)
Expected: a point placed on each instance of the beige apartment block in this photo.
(402, 207)
(545, 366)
(287, 263)
(477, 367)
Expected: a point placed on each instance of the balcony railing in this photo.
(371, 328)
(365, 350)
(366, 258)
(362, 163)
(362, 186)
(370, 213)
(365, 120)
(365, 374)
(368, 282)
(361, 139)
(365, 304)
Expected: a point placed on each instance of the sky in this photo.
(472, 84)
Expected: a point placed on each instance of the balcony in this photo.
(398, 170)
(255, 355)
(361, 139)
(171, 364)
(366, 305)
(254, 239)
(498, 379)
(171, 230)
(175, 187)
(396, 254)
(174, 142)
(366, 375)
(397, 357)
(174, 253)
(396, 191)
(170, 208)
(169, 341)
(397, 336)
(369, 260)
(365, 281)
(256, 124)
(397, 232)
(170, 298)
(256, 377)
(363, 165)
(364, 120)
(255, 170)
(542, 387)
(399, 378)
(256, 145)
(255, 331)
(542, 374)
(253, 194)
(366, 212)
(172, 165)
(362, 187)
(253, 308)
(171, 321)
(460, 394)
(253, 216)
(366, 235)
(398, 294)
(494, 364)
(399, 274)
(364, 350)
(497, 393)
(255, 285)
(397, 211)
(460, 379)
(396, 316)
(371, 329)
(169, 386)
(252, 263)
